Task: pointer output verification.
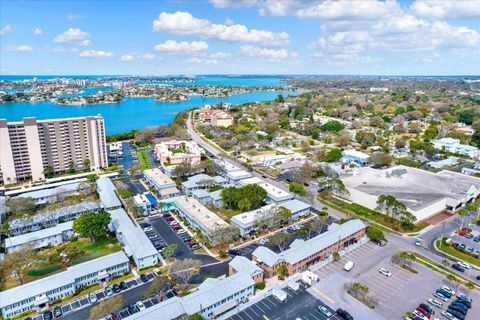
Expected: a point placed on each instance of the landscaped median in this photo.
(388, 223)
(144, 160)
(444, 246)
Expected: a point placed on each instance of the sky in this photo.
(362, 37)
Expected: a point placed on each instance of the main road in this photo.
(402, 242)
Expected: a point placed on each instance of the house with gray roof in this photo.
(202, 181)
(106, 191)
(242, 264)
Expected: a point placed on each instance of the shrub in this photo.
(260, 285)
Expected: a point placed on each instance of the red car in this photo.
(424, 312)
(462, 233)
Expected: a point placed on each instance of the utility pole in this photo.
(441, 239)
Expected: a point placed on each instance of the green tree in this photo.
(92, 225)
(297, 188)
(332, 126)
(476, 137)
(470, 285)
(18, 262)
(334, 155)
(380, 159)
(336, 256)
(279, 239)
(334, 186)
(169, 251)
(375, 233)
(157, 286)
(282, 271)
(105, 307)
(390, 206)
(315, 133)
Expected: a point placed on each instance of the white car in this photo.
(263, 241)
(140, 305)
(463, 264)
(148, 229)
(435, 302)
(448, 315)
(385, 272)
(449, 290)
(419, 315)
(92, 297)
(156, 272)
(440, 296)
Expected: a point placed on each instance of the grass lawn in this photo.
(102, 247)
(144, 160)
(371, 214)
(447, 248)
(226, 214)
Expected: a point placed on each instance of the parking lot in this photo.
(299, 304)
(169, 236)
(134, 185)
(401, 292)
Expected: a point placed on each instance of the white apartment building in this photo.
(41, 293)
(274, 194)
(198, 216)
(42, 238)
(163, 184)
(213, 298)
(454, 146)
(31, 147)
(178, 151)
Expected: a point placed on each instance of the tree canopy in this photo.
(92, 225)
(246, 198)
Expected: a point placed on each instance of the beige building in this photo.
(30, 148)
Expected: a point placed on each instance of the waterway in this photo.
(131, 113)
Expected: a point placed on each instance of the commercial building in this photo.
(53, 236)
(51, 218)
(42, 293)
(302, 254)
(235, 176)
(32, 147)
(254, 156)
(198, 216)
(274, 194)
(201, 181)
(163, 184)
(134, 240)
(213, 298)
(454, 146)
(424, 193)
(242, 264)
(247, 221)
(354, 156)
(178, 151)
(215, 117)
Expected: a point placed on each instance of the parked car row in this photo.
(342, 314)
(157, 241)
(460, 266)
(180, 231)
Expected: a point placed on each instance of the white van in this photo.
(348, 266)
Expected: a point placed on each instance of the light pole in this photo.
(441, 239)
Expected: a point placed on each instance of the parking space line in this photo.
(313, 316)
(246, 313)
(265, 305)
(323, 295)
(251, 309)
(258, 306)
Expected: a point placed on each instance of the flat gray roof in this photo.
(49, 192)
(37, 235)
(106, 190)
(242, 264)
(38, 287)
(414, 187)
(133, 235)
(294, 205)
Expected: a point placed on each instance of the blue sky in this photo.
(390, 37)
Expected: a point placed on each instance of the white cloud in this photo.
(37, 31)
(183, 47)
(445, 9)
(63, 49)
(183, 23)
(266, 53)
(220, 55)
(74, 36)
(96, 54)
(72, 16)
(20, 48)
(202, 61)
(133, 56)
(233, 3)
(229, 22)
(7, 29)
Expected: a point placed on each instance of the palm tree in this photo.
(445, 263)
(463, 213)
(451, 278)
(470, 285)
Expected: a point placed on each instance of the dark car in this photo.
(57, 312)
(445, 293)
(458, 267)
(344, 314)
(233, 252)
(457, 314)
(123, 285)
(115, 316)
(116, 288)
(166, 215)
(460, 307)
(47, 315)
(426, 307)
(186, 238)
(144, 278)
(145, 224)
(132, 309)
(466, 303)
